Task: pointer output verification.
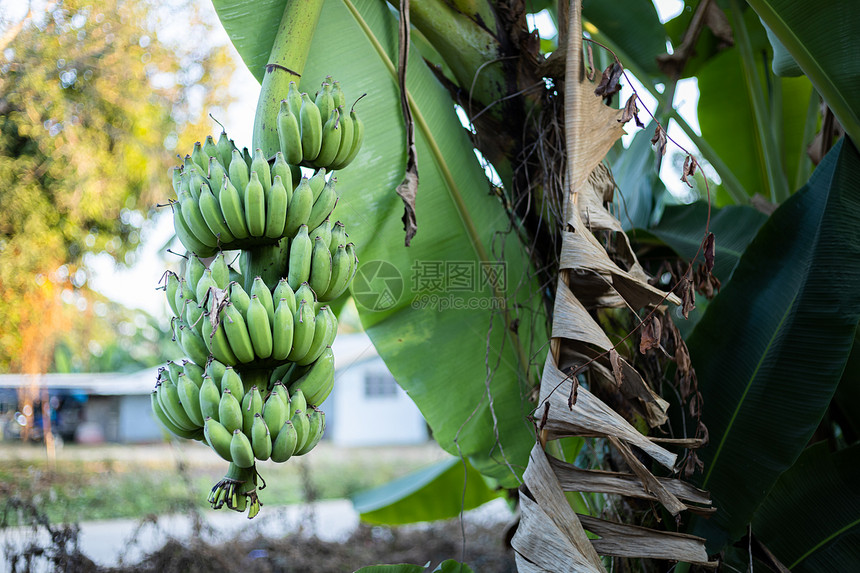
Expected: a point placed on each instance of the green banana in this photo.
(279, 374)
(285, 444)
(219, 345)
(237, 333)
(276, 209)
(174, 370)
(300, 208)
(189, 397)
(168, 423)
(300, 258)
(305, 292)
(282, 169)
(218, 438)
(210, 209)
(311, 123)
(275, 413)
(322, 328)
(282, 331)
(357, 138)
(193, 315)
(317, 183)
(233, 382)
(353, 261)
(189, 168)
(171, 287)
(261, 167)
(172, 405)
(209, 398)
(210, 149)
(297, 402)
(195, 222)
(215, 370)
(347, 131)
(323, 205)
(259, 328)
(262, 292)
(303, 428)
(193, 345)
(294, 100)
(284, 291)
(324, 99)
(303, 331)
(194, 269)
(232, 209)
(281, 390)
(225, 149)
(255, 206)
(246, 155)
(238, 171)
(334, 324)
(338, 237)
(316, 421)
(188, 239)
(216, 175)
(176, 178)
(261, 439)
(239, 298)
(220, 271)
(199, 157)
(317, 383)
(323, 231)
(186, 292)
(289, 134)
(340, 275)
(241, 451)
(194, 373)
(252, 404)
(337, 94)
(205, 283)
(230, 411)
(331, 136)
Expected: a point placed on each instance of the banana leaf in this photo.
(822, 38)
(682, 228)
(440, 491)
(846, 402)
(451, 315)
(727, 115)
(251, 26)
(639, 187)
(771, 348)
(810, 520)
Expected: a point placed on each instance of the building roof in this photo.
(349, 350)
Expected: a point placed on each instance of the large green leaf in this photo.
(639, 186)
(771, 347)
(822, 38)
(728, 114)
(453, 362)
(810, 520)
(846, 402)
(440, 491)
(682, 228)
(251, 26)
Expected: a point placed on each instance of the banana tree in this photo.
(515, 310)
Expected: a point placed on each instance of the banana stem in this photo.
(286, 64)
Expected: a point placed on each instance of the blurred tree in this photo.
(94, 98)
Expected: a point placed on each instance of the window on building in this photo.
(379, 384)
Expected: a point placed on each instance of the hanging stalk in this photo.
(286, 64)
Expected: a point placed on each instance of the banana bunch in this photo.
(319, 133)
(243, 424)
(244, 202)
(258, 335)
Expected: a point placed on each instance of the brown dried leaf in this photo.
(631, 112)
(651, 332)
(689, 169)
(608, 85)
(659, 139)
(615, 361)
(708, 249)
(407, 191)
(718, 22)
(592, 71)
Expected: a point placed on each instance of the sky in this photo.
(135, 286)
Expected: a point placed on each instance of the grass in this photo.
(91, 483)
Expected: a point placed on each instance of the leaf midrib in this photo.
(450, 183)
(825, 541)
(742, 400)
